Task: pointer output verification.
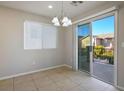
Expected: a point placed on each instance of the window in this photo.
(49, 36)
(39, 35)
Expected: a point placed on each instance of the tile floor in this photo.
(59, 79)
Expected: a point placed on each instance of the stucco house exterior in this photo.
(107, 40)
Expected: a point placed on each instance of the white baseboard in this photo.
(67, 65)
(121, 88)
(30, 72)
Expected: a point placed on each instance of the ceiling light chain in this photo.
(63, 20)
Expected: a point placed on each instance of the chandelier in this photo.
(62, 20)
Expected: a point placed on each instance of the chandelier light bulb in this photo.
(65, 19)
(65, 25)
(69, 22)
(55, 20)
(57, 24)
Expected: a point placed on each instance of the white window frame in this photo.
(43, 37)
(89, 19)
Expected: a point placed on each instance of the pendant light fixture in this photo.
(63, 20)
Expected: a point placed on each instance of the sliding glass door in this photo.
(84, 47)
(98, 59)
(103, 49)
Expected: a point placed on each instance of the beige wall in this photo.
(13, 58)
(68, 45)
(121, 49)
(69, 38)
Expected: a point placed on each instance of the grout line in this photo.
(55, 82)
(13, 84)
(37, 89)
(66, 78)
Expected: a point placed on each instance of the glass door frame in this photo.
(90, 34)
(90, 20)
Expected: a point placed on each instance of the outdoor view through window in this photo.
(103, 48)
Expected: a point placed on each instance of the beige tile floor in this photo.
(59, 79)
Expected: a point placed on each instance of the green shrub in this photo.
(100, 52)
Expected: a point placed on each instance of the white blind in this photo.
(39, 35)
(49, 36)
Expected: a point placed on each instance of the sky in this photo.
(102, 26)
(83, 30)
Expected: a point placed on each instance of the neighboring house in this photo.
(107, 40)
(84, 41)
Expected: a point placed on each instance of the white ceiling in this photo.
(41, 7)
